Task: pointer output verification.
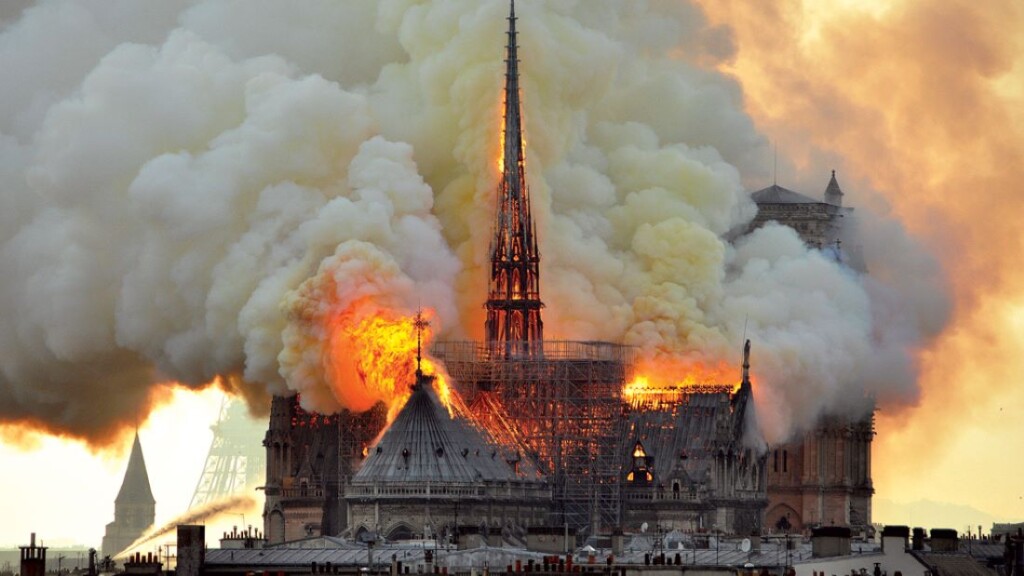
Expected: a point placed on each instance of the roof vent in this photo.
(440, 452)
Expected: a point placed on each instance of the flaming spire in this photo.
(513, 300)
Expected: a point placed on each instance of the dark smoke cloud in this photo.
(176, 181)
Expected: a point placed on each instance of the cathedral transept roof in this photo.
(427, 444)
(776, 194)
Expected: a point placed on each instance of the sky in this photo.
(190, 192)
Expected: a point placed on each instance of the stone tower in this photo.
(513, 300)
(824, 477)
(134, 507)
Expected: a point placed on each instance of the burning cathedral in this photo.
(542, 436)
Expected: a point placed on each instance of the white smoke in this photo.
(188, 189)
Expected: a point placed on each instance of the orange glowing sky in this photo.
(922, 102)
(919, 105)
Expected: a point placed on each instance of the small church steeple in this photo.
(134, 507)
(834, 194)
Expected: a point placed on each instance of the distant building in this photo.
(134, 507)
(818, 222)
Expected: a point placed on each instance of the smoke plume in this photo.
(197, 191)
(232, 505)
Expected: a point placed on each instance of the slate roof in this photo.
(682, 439)
(135, 487)
(427, 444)
(776, 194)
(351, 555)
(948, 564)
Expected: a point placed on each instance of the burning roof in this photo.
(426, 443)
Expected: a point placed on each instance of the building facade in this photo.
(310, 458)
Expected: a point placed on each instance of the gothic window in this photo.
(785, 460)
(776, 461)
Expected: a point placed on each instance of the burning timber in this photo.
(602, 455)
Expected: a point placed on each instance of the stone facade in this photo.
(823, 479)
(310, 457)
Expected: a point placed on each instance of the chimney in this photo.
(829, 541)
(944, 540)
(617, 541)
(917, 542)
(894, 539)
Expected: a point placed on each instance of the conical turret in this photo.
(834, 194)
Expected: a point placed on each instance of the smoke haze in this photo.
(190, 190)
(921, 104)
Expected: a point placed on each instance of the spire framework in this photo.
(513, 301)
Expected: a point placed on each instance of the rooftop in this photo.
(776, 194)
(426, 443)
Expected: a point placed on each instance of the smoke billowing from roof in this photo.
(188, 192)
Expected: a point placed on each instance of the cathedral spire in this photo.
(513, 300)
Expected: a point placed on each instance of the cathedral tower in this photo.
(513, 300)
(134, 507)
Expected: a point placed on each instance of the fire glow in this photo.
(654, 383)
(374, 357)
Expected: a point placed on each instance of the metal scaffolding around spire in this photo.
(513, 301)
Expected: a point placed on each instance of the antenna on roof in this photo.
(775, 164)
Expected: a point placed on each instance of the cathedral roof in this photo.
(683, 439)
(135, 486)
(776, 194)
(427, 444)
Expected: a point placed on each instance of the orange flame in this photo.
(501, 142)
(669, 380)
(373, 357)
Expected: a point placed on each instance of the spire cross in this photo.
(420, 324)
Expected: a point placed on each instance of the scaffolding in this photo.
(562, 402)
